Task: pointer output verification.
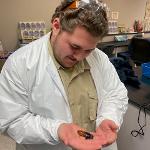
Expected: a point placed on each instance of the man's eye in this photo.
(90, 50)
(74, 47)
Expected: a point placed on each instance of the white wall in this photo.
(13, 11)
(129, 10)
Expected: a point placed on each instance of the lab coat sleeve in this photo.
(15, 118)
(114, 94)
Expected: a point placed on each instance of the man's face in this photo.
(70, 48)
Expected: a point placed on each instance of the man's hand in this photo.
(109, 129)
(68, 133)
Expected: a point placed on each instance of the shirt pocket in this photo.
(93, 102)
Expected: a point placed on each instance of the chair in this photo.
(108, 49)
(139, 49)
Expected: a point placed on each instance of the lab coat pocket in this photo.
(93, 102)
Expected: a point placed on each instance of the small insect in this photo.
(85, 134)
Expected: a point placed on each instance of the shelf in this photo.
(127, 33)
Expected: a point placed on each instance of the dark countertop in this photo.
(113, 43)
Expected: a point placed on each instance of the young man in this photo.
(61, 84)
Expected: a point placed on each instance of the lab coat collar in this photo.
(53, 72)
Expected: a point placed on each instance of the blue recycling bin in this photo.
(146, 73)
(146, 69)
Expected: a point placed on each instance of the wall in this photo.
(13, 11)
(129, 10)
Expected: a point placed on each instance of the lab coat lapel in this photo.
(52, 71)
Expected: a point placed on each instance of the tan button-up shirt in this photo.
(81, 92)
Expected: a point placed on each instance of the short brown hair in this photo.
(91, 16)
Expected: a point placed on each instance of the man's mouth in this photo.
(72, 59)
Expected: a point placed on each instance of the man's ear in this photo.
(56, 24)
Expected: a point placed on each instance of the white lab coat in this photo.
(33, 102)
